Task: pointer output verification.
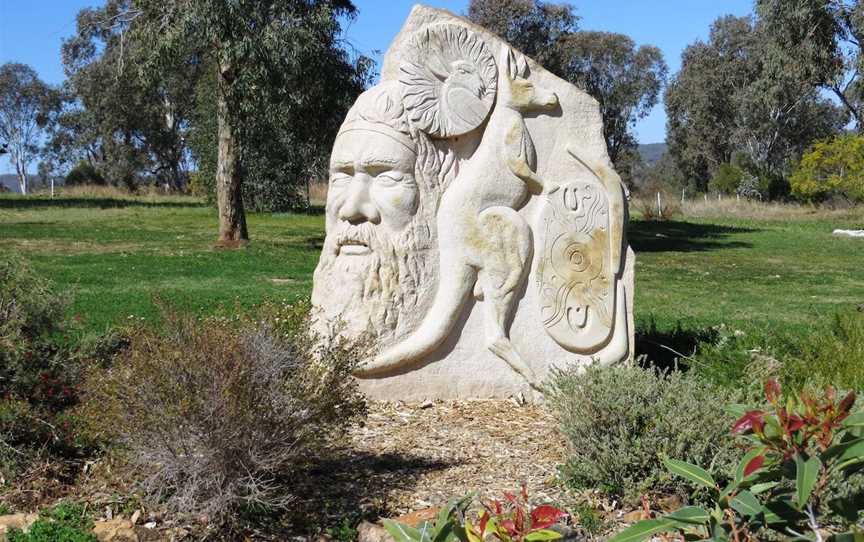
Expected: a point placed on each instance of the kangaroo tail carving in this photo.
(453, 291)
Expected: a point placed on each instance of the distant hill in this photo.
(9, 182)
(652, 152)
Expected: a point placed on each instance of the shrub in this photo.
(39, 374)
(831, 166)
(84, 173)
(620, 421)
(222, 418)
(727, 179)
(832, 355)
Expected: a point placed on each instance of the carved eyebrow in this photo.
(379, 162)
(338, 164)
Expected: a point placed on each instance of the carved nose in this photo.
(357, 207)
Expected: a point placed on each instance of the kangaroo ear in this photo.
(515, 65)
(509, 63)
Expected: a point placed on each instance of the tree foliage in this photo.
(832, 166)
(27, 106)
(271, 57)
(286, 139)
(128, 123)
(824, 39)
(626, 80)
(739, 93)
(532, 26)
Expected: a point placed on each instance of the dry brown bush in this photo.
(646, 207)
(219, 418)
(318, 193)
(766, 210)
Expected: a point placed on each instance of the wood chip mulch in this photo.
(411, 457)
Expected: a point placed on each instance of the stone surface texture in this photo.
(475, 225)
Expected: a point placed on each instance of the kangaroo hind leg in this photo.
(505, 264)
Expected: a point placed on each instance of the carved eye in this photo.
(390, 178)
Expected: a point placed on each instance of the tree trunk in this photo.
(21, 170)
(232, 219)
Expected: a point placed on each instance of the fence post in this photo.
(659, 206)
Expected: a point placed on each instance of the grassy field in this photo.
(741, 269)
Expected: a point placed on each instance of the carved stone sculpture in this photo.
(475, 226)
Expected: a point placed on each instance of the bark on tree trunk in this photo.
(21, 170)
(232, 219)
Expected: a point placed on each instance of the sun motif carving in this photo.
(448, 79)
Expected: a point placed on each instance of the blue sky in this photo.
(31, 31)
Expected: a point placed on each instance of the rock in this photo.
(670, 503)
(115, 530)
(633, 517)
(372, 532)
(416, 518)
(16, 521)
(491, 182)
(375, 532)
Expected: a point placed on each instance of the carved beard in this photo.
(382, 295)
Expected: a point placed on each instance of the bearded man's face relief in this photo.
(373, 272)
(372, 188)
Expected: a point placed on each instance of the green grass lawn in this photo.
(117, 254)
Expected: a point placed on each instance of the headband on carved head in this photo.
(380, 110)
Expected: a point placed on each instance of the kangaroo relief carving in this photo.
(485, 245)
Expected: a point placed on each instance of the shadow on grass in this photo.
(669, 349)
(90, 203)
(355, 486)
(674, 236)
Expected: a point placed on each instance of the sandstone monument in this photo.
(475, 226)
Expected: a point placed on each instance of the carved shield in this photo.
(574, 275)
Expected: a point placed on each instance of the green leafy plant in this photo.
(796, 447)
(447, 527)
(510, 520)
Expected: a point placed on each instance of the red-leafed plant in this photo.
(796, 447)
(508, 520)
(511, 521)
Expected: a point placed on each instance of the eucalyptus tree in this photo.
(737, 93)
(27, 106)
(262, 51)
(532, 26)
(821, 40)
(125, 121)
